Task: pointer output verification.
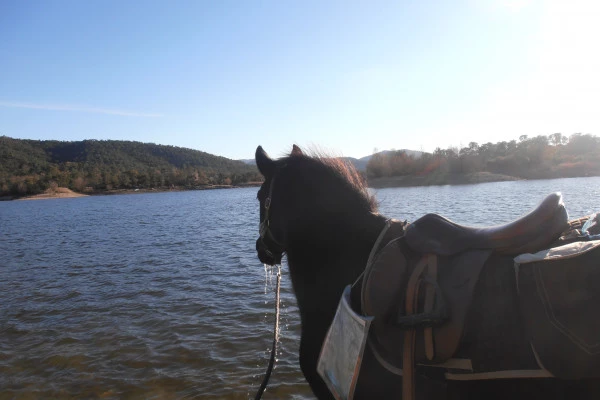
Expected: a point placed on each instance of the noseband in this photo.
(270, 245)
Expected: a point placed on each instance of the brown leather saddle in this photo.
(421, 279)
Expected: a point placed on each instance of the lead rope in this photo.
(263, 385)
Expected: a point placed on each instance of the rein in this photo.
(265, 233)
(265, 381)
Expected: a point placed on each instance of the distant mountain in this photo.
(359, 163)
(30, 166)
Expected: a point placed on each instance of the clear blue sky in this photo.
(347, 76)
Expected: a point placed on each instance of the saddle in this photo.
(437, 235)
(421, 278)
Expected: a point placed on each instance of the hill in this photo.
(362, 163)
(359, 163)
(539, 157)
(32, 166)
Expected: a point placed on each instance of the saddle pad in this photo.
(384, 283)
(559, 296)
(341, 355)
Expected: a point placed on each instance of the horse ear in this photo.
(264, 163)
(296, 151)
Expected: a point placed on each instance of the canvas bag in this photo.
(342, 352)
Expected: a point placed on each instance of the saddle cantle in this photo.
(435, 234)
(422, 278)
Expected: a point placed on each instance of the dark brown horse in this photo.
(318, 211)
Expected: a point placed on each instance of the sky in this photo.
(345, 76)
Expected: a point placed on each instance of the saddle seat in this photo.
(435, 234)
(444, 259)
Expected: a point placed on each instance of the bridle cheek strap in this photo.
(271, 245)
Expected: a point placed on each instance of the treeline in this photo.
(32, 166)
(541, 156)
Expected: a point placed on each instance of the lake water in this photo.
(161, 295)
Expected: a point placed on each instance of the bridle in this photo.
(270, 245)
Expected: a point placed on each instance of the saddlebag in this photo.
(559, 296)
(341, 355)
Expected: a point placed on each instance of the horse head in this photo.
(306, 198)
(270, 245)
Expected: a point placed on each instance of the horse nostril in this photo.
(265, 258)
(265, 255)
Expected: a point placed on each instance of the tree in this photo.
(378, 166)
(556, 139)
(79, 184)
(582, 144)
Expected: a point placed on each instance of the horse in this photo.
(318, 211)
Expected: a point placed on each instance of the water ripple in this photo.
(160, 296)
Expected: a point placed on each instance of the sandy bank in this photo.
(58, 193)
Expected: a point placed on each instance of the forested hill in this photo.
(539, 157)
(32, 166)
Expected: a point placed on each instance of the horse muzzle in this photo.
(265, 255)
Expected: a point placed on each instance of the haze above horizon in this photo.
(348, 77)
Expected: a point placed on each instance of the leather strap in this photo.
(408, 351)
(428, 307)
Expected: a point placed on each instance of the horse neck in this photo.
(329, 257)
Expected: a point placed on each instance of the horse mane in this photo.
(331, 169)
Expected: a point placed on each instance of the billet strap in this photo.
(428, 307)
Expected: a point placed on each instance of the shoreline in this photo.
(65, 193)
(434, 179)
(440, 179)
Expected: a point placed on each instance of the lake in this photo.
(162, 296)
